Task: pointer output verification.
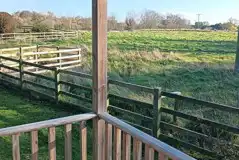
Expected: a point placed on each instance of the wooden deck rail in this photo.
(152, 144)
(33, 128)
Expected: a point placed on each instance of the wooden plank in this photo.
(34, 145)
(38, 85)
(9, 76)
(46, 124)
(156, 112)
(175, 142)
(99, 57)
(144, 129)
(52, 143)
(75, 96)
(149, 153)
(201, 120)
(71, 66)
(51, 52)
(39, 76)
(53, 59)
(76, 86)
(68, 142)
(145, 138)
(137, 149)
(200, 102)
(108, 143)
(38, 65)
(83, 140)
(126, 155)
(82, 75)
(132, 86)
(129, 112)
(117, 144)
(62, 63)
(10, 68)
(15, 147)
(9, 59)
(131, 101)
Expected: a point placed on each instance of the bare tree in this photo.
(150, 19)
(173, 21)
(6, 22)
(130, 21)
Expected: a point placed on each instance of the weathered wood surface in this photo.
(46, 124)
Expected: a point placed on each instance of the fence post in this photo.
(59, 56)
(36, 57)
(156, 112)
(57, 85)
(20, 68)
(237, 54)
(79, 55)
(176, 107)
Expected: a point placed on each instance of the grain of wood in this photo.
(108, 143)
(83, 140)
(34, 145)
(68, 142)
(117, 144)
(52, 143)
(137, 149)
(126, 146)
(149, 153)
(15, 147)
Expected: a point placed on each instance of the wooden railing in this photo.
(140, 138)
(33, 128)
(113, 141)
(37, 36)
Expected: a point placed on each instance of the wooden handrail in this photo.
(46, 124)
(145, 138)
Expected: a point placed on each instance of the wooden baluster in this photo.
(15, 147)
(149, 153)
(34, 145)
(108, 144)
(137, 149)
(52, 143)
(126, 146)
(117, 144)
(162, 156)
(68, 142)
(83, 140)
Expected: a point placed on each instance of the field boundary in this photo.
(155, 107)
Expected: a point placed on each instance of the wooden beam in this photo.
(99, 55)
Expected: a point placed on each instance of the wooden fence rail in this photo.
(51, 125)
(153, 109)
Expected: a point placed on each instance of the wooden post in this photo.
(20, 68)
(59, 55)
(176, 107)
(99, 52)
(237, 54)
(157, 117)
(36, 57)
(57, 85)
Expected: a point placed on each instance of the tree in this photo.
(150, 19)
(175, 21)
(130, 22)
(6, 23)
(201, 25)
(40, 28)
(112, 23)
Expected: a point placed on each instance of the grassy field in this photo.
(17, 110)
(199, 64)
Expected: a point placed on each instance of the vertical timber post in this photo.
(59, 56)
(237, 54)
(157, 116)
(176, 107)
(57, 85)
(99, 55)
(20, 68)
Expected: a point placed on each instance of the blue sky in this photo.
(211, 10)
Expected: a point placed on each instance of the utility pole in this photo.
(198, 15)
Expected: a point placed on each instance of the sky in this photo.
(213, 11)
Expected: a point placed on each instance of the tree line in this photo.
(148, 19)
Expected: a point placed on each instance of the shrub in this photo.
(6, 23)
(40, 28)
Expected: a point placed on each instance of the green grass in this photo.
(17, 110)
